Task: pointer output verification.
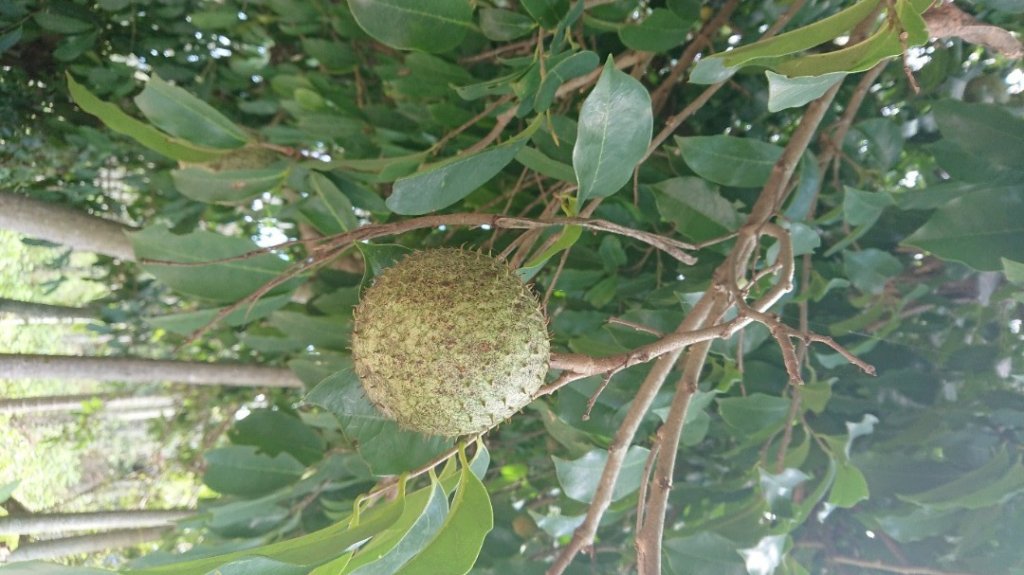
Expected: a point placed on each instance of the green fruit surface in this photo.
(450, 342)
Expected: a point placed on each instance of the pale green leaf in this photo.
(181, 114)
(427, 25)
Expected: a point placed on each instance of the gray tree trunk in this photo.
(136, 370)
(53, 523)
(69, 403)
(63, 225)
(32, 310)
(57, 548)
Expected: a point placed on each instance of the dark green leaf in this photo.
(503, 25)
(991, 484)
(332, 201)
(144, 134)
(539, 162)
(755, 413)
(221, 282)
(698, 212)
(613, 133)
(181, 114)
(9, 39)
(660, 31)
(861, 208)
(61, 24)
(976, 230)
(579, 477)
(427, 25)
(443, 184)
(574, 66)
(274, 432)
(185, 323)
(728, 160)
(703, 554)
(987, 131)
(242, 471)
(330, 332)
(230, 186)
(871, 269)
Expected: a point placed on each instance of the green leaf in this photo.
(871, 269)
(1014, 271)
(698, 212)
(143, 133)
(756, 413)
(503, 25)
(539, 162)
(856, 58)
(387, 449)
(7, 490)
(229, 186)
(61, 24)
(330, 332)
(274, 432)
(977, 230)
(703, 554)
(443, 184)
(181, 114)
(862, 208)
(9, 39)
(786, 92)
(579, 477)
(993, 483)
(379, 257)
(660, 31)
(849, 487)
(422, 520)
(328, 209)
(720, 66)
(333, 567)
(987, 131)
(574, 66)
(260, 566)
(427, 25)
(240, 470)
(569, 236)
(613, 133)
(220, 282)
(41, 568)
(185, 323)
(728, 160)
(454, 550)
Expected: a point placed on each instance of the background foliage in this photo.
(219, 127)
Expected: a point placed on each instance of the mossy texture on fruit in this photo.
(450, 342)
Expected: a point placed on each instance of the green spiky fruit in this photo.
(450, 342)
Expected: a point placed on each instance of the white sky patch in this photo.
(1015, 81)
(270, 234)
(911, 179)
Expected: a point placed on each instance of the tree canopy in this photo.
(778, 244)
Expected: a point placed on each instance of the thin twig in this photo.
(900, 569)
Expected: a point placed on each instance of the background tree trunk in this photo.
(32, 310)
(64, 225)
(52, 523)
(136, 370)
(56, 548)
(69, 403)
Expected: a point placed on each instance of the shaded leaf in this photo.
(229, 186)
(579, 477)
(728, 160)
(181, 114)
(274, 431)
(185, 323)
(698, 212)
(660, 31)
(240, 470)
(427, 25)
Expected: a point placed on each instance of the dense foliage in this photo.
(847, 179)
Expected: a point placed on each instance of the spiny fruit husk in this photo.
(450, 342)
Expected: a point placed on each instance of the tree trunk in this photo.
(56, 548)
(53, 523)
(63, 225)
(136, 370)
(67, 403)
(32, 310)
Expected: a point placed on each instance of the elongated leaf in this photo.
(977, 230)
(454, 550)
(989, 132)
(185, 323)
(786, 92)
(221, 282)
(330, 332)
(613, 133)
(728, 160)
(230, 186)
(995, 482)
(503, 25)
(660, 31)
(275, 432)
(579, 477)
(699, 212)
(427, 25)
(441, 185)
(332, 201)
(9, 39)
(147, 135)
(539, 162)
(720, 66)
(181, 114)
(61, 24)
(239, 470)
(422, 520)
(574, 66)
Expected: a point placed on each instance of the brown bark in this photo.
(64, 225)
(57, 548)
(53, 523)
(32, 310)
(69, 403)
(137, 370)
